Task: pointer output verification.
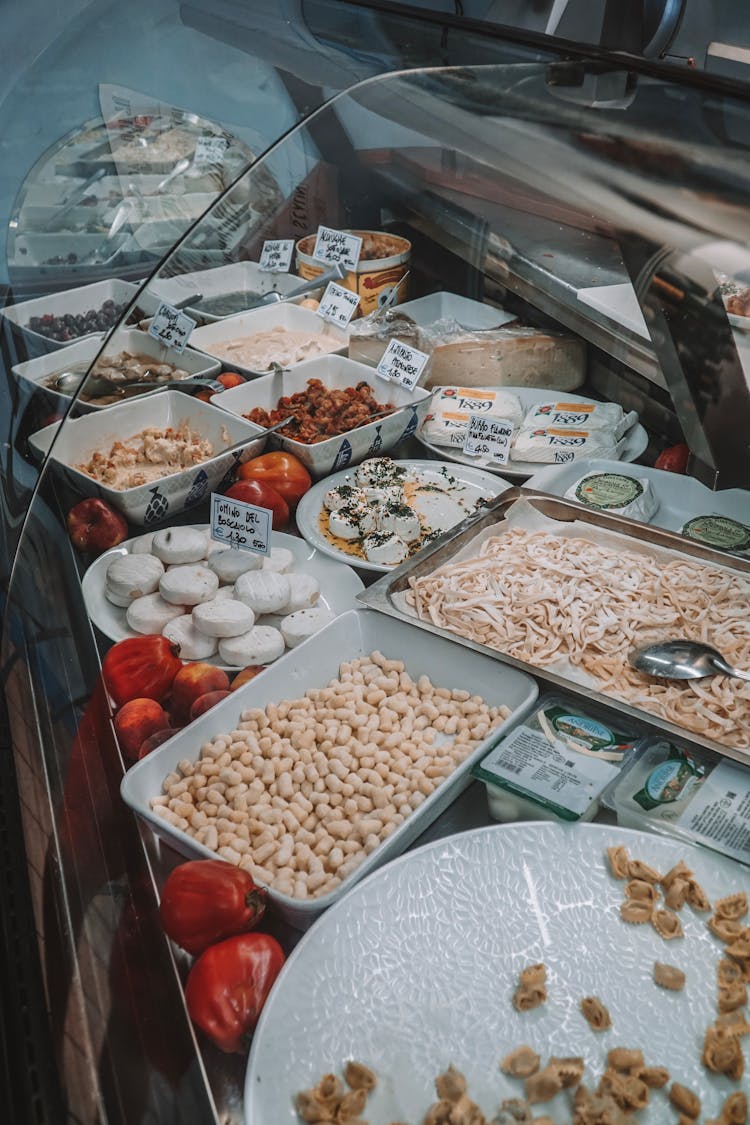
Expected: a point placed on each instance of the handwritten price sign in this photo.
(171, 327)
(402, 364)
(338, 305)
(337, 246)
(488, 437)
(244, 526)
(276, 255)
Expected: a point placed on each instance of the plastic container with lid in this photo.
(692, 794)
(556, 764)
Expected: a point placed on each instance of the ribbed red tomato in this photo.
(283, 471)
(228, 986)
(207, 900)
(263, 496)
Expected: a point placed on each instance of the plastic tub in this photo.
(375, 277)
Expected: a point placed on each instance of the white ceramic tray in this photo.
(73, 301)
(85, 351)
(312, 664)
(150, 503)
(680, 498)
(418, 965)
(288, 316)
(335, 371)
(630, 446)
(237, 277)
(472, 315)
(339, 585)
(471, 485)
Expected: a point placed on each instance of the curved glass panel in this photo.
(516, 189)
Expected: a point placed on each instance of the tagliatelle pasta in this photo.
(544, 598)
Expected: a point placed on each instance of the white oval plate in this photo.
(632, 444)
(740, 322)
(339, 585)
(415, 969)
(471, 484)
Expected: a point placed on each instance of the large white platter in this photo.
(471, 485)
(415, 970)
(339, 585)
(680, 498)
(631, 445)
(312, 665)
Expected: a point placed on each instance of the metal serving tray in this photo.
(380, 596)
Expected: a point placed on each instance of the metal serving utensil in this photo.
(180, 167)
(682, 660)
(334, 274)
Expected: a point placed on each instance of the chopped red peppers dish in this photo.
(321, 413)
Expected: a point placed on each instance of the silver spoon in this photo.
(334, 274)
(180, 167)
(682, 660)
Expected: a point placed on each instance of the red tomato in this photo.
(228, 986)
(674, 459)
(141, 667)
(283, 471)
(263, 496)
(207, 900)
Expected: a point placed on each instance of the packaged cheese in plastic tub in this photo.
(557, 763)
(692, 794)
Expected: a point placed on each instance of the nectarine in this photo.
(136, 721)
(155, 740)
(246, 674)
(205, 702)
(194, 680)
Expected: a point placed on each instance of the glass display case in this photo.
(555, 239)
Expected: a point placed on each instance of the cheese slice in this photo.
(580, 415)
(550, 445)
(451, 407)
(502, 357)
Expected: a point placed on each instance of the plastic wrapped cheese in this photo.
(617, 493)
(372, 334)
(580, 415)
(719, 532)
(502, 357)
(553, 446)
(451, 407)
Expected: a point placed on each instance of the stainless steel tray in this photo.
(380, 596)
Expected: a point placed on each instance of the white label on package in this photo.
(276, 255)
(549, 771)
(337, 304)
(720, 812)
(401, 364)
(171, 327)
(337, 246)
(210, 149)
(244, 526)
(488, 437)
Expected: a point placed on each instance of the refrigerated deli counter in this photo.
(515, 395)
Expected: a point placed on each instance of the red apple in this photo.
(205, 702)
(154, 740)
(192, 681)
(136, 721)
(94, 525)
(246, 674)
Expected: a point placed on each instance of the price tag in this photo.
(276, 255)
(337, 246)
(239, 525)
(488, 437)
(337, 304)
(401, 364)
(210, 149)
(171, 327)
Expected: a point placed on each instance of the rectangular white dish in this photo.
(335, 371)
(680, 497)
(69, 301)
(470, 314)
(149, 503)
(291, 317)
(313, 664)
(236, 277)
(84, 352)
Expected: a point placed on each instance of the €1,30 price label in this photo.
(337, 304)
(244, 526)
(210, 149)
(488, 437)
(171, 327)
(337, 246)
(401, 364)
(276, 255)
